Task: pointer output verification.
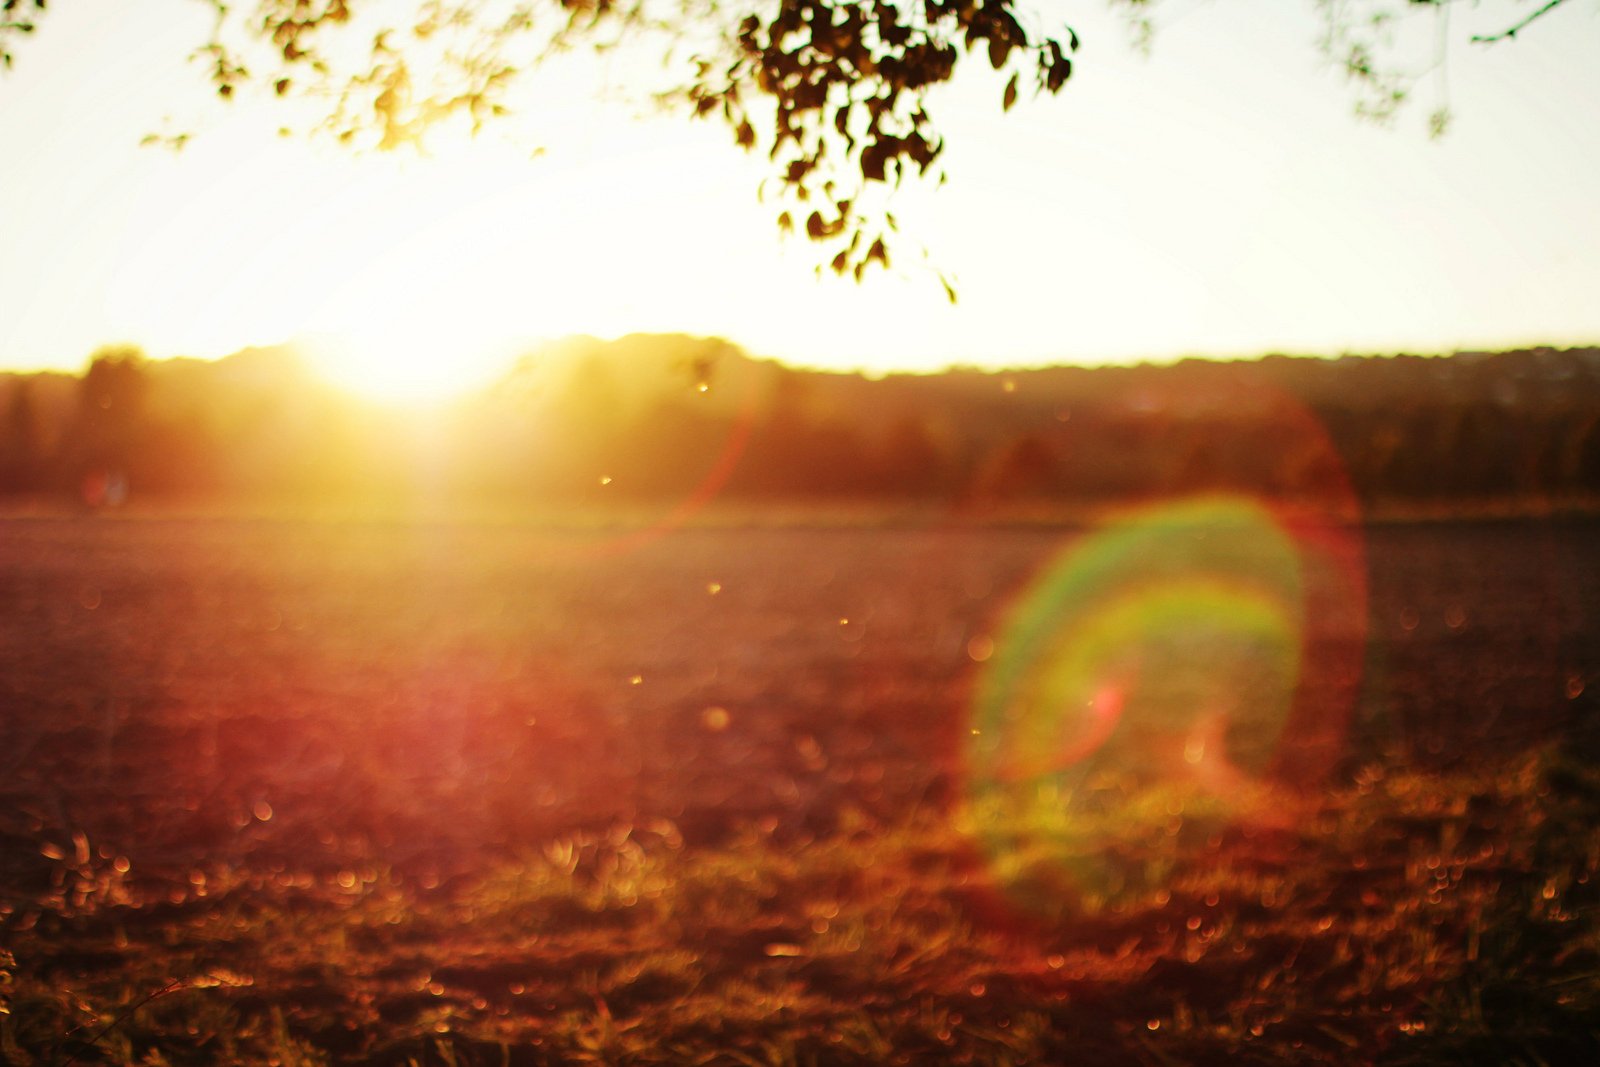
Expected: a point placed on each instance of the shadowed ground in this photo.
(485, 793)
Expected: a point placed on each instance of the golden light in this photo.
(434, 299)
(405, 364)
(405, 279)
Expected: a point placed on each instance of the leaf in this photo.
(1058, 74)
(1011, 94)
(999, 48)
(874, 158)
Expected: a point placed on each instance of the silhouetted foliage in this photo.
(16, 16)
(1366, 40)
(109, 433)
(21, 442)
(662, 420)
(835, 93)
(911, 460)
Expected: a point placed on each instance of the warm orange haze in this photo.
(661, 701)
(446, 618)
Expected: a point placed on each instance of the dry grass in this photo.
(307, 795)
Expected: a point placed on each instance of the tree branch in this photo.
(1511, 32)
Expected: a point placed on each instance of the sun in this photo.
(433, 292)
(409, 363)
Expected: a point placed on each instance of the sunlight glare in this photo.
(397, 362)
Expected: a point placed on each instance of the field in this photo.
(299, 792)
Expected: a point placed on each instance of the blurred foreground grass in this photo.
(1408, 918)
(301, 793)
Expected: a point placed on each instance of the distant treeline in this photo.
(649, 418)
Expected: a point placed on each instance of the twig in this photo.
(1511, 32)
(171, 987)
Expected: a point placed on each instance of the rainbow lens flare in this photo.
(1155, 683)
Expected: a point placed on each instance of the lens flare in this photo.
(1156, 681)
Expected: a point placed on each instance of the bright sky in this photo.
(1216, 198)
